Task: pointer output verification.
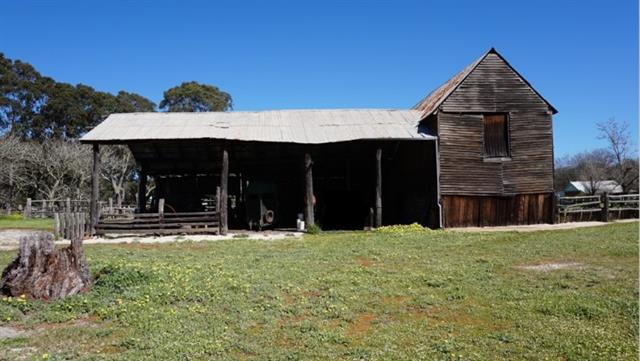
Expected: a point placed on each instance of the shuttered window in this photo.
(496, 135)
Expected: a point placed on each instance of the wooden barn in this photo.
(476, 151)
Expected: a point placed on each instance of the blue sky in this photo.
(581, 55)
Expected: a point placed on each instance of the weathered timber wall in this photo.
(480, 211)
(494, 88)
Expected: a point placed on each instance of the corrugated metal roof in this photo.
(609, 186)
(287, 126)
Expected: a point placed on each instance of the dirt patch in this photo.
(395, 300)
(551, 266)
(288, 299)
(10, 332)
(364, 262)
(361, 324)
(10, 238)
(291, 320)
(311, 294)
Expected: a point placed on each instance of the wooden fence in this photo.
(597, 208)
(71, 225)
(162, 223)
(43, 208)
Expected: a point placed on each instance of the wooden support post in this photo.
(218, 199)
(378, 222)
(110, 205)
(308, 191)
(68, 204)
(142, 192)
(27, 209)
(95, 189)
(224, 182)
(161, 209)
(605, 208)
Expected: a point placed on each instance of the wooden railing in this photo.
(43, 208)
(161, 223)
(597, 208)
(158, 223)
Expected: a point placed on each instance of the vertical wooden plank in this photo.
(56, 225)
(78, 231)
(142, 191)
(605, 208)
(74, 230)
(68, 205)
(95, 188)
(308, 190)
(161, 209)
(218, 199)
(27, 209)
(110, 205)
(378, 187)
(224, 183)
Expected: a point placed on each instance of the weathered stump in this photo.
(42, 272)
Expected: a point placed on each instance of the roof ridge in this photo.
(433, 100)
(271, 111)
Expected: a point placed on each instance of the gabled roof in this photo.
(432, 102)
(284, 126)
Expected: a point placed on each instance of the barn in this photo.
(476, 151)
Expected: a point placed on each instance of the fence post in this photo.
(110, 205)
(605, 208)
(68, 204)
(161, 209)
(56, 225)
(27, 209)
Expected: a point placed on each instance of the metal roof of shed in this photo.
(284, 126)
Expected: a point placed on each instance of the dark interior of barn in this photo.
(266, 181)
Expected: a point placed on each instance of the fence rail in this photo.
(162, 223)
(598, 207)
(46, 208)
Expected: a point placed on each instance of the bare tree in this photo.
(61, 169)
(620, 147)
(117, 168)
(14, 172)
(593, 167)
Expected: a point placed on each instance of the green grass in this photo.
(353, 296)
(16, 221)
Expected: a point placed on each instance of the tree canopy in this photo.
(195, 97)
(33, 106)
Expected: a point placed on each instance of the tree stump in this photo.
(44, 273)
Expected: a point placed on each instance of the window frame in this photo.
(493, 158)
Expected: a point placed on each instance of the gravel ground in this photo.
(10, 238)
(538, 227)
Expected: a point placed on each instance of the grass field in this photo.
(435, 295)
(18, 222)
